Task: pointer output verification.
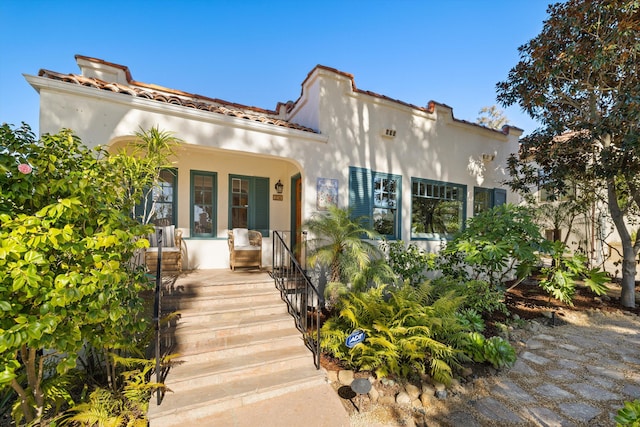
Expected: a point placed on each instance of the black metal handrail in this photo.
(302, 297)
(157, 309)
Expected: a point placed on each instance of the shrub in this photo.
(495, 350)
(409, 262)
(560, 277)
(629, 415)
(495, 245)
(406, 331)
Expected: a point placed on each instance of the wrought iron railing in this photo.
(157, 310)
(302, 297)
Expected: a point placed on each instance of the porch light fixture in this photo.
(279, 187)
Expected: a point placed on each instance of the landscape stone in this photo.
(466, 372)
(374, 395)
(592, 392)
(531, 357)
(631, 390)
(553, 391)
(345, 377)
(427, 399)
(581, 411)
(509, 389)
(428, 389)
(546, 417)
(387, 400)
(521, 367)
(332, 376)
(412, 391)
(496, 411)
(403, 398)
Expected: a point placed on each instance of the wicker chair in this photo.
(171, 250)
(245, 248)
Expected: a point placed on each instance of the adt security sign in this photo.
(356, 337)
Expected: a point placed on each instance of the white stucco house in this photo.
(416, 172)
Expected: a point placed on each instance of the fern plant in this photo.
(406, 331)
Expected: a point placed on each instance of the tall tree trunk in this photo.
(628, 293)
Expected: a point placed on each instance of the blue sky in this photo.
(258, 52)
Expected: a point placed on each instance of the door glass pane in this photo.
(203, 204)
(239, 203)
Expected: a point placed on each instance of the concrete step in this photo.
(235, 346)
(215, 297)
(185, 288)
(186, 408)
(230, 312)
(188, 373)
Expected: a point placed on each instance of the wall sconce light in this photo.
(488, 157)
(279, 187)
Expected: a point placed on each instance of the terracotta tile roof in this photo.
(175, 97)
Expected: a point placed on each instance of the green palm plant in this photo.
(338, 243)
(343, 245)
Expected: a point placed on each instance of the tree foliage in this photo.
(66, 244)
(492, 117)
(580, 78)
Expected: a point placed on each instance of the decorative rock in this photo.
(403, 398)
(412, 391)
(345, 377)
(428, 389)
(427, 399)
(416, 403)
(441, 394)
(439, 386)
(374, 395)
(387, 400)
(466, 372)
(387, 382)
(332, 376)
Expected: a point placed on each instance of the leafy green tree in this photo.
(580, 78)
(66, 244)
(148, 154)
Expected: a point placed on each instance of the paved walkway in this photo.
(577, 374)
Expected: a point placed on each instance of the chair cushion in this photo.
(167, 249)
(246, 248)
(168, 237)
(240, 237)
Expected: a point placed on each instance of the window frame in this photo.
(442, 188)
(150, 202)
(497, 197)
(362, 198)
(259, 207)
(214, 205)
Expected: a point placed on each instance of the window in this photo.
(376, 197)
(249, 206)
(438, 208)
(486, 198)
(203, 204)
(161, 201)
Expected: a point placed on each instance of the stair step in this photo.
(185, 375)
(236, 345)
(231, 311)
(224, 328)
(179, 409)
(233, 346)
(215, 299)
(187, 289)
